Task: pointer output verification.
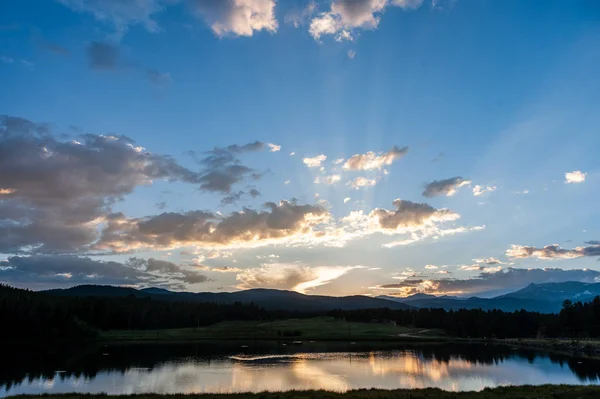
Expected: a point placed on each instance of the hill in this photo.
(265, 298)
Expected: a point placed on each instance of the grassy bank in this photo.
(316, 328)
(519, 392)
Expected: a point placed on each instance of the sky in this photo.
(332, 147)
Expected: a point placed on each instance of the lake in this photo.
(239, 367)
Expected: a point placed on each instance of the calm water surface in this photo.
(235, 367)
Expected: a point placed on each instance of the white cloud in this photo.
(273, 147)
(576, 176)
(237, 17)
(553, 251)
(431, 267)
(346, 16)
(347, 199)
(480, 190)
(292, 154)
(361, 182)
(373, 161)
(351, 54)
(338, 161)
(287, 182)
(314, 162)
(332, 179)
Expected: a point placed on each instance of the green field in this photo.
(520, 392)
(316, 328)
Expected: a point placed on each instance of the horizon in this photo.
(331, 147)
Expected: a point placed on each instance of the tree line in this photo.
(28, 315)
(576, 320)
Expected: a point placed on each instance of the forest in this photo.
(28, 315)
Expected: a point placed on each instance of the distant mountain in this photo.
(573, 290)
(265, 298)
(543, 298)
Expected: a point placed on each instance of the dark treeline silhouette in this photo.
(576, 320)
(28, 315)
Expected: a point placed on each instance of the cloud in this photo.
(373, 161)
(102, 55)
(576, 176)
(408, 4)
(284, 223)
(351, 54)
(553, 251)
(273, 147)
(226, 269)
(431, 267)
(492, 282)
(346, 16)
(63, 190)
(347, 199)
(314, 162)
(290, 277)
(488, 261)
(300, 16)
(237, 196)
(410, 215)
(222, 169)
(414, 221)
(120, 13)
(158, 78)
(55, 271)
(447, 187)
(332, 179)
(237, 17)
(480, 190)
(361, 182)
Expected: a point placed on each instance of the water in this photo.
(239, 367)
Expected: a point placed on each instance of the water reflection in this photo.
(229, 367)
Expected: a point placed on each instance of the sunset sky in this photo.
(330, 147)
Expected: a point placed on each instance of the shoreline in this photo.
(514, 392)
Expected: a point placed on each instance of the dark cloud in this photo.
(410, 215)
(497, 282)
(54, 193)
(405, 283)
(279, 222)
(223, 170)
(237, 196)
(553, 251)
(102, 55)
(72, 270)
(161, 205)
(445, 187)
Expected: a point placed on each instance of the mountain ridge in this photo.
(543, 298)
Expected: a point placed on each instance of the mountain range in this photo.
(543, 298)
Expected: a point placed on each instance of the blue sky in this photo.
(493, 98)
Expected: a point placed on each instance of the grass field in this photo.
(316, 328)
(520, 392)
